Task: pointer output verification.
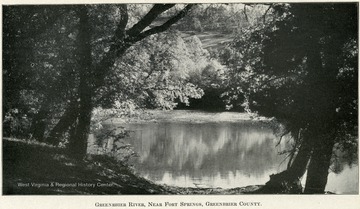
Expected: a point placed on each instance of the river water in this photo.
(226, 155)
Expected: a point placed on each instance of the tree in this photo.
(153, 74)
(33, 67)
(70, 52)
(224, 18)
(92, 74)
(305, 76)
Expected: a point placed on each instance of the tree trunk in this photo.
(323, 88)
(318, 170)
(78, 142)
(38, 125)
(122, 40)
(288, 181)
(299, 165)
(66, 121)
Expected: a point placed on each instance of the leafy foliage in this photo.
(155, 72)
(271, 65)
(43, 80)
(36, 62)
(301, 81)
(227, 18)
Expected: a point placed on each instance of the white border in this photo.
(89, 201)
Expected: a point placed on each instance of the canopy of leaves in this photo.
(156, 71)
(41, 65)
(301, 68)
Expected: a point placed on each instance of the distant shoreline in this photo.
(189, 116)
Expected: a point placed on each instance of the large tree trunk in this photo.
(318, 170)
(299, 165)
(66, 121)
(78, 141)
(323, 90)
(288, 181)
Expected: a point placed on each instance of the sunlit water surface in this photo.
(225, 155)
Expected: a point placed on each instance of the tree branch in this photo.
(120, 30)
(268, 9)
(122, 43)
(163, 27)
(244, 11)
(154, 12)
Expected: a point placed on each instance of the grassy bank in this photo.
(30, 167)
(36, 168)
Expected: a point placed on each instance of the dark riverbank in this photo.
(35, 168)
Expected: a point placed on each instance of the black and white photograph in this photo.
(211, 100)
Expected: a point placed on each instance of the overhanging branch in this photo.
(163, 27)
(121, 42)
(154, 12)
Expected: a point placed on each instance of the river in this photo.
(224, 154)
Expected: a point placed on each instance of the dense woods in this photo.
(66, 68)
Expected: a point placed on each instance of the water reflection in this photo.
(345, 182)
(223, 155)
